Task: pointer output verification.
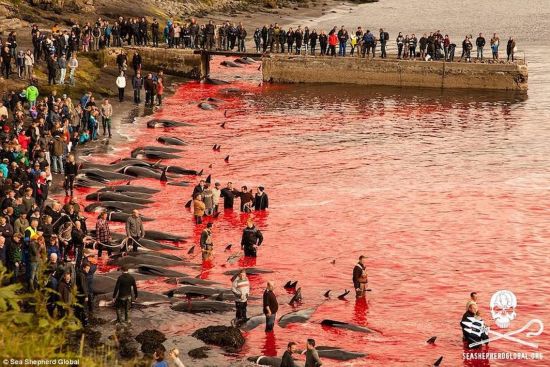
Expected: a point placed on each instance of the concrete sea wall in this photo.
(393, 72)
(172, 61)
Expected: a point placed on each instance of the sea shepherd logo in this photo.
(503, 310)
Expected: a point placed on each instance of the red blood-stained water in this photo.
(444, 192)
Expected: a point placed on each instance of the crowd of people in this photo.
(58, 48)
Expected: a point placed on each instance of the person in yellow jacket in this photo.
(198, 208)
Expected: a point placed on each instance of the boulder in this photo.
(228, 337)
(150, 340)
(199, 353)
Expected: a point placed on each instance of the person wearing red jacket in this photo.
(332, 42)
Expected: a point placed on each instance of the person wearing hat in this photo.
(261, 201)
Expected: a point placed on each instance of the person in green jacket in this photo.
(31, 94)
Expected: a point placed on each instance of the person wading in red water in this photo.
(360, 278)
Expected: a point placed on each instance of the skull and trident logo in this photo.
(503, 310)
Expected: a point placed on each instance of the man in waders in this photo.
(360, 278)
(206, 242)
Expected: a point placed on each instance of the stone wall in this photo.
(393, 72)
(173, 62)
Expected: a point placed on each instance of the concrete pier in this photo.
(172, 61)
(396, 73)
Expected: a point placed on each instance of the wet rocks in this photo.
(228, 337)
(150, 340)
(127, 346)
(199, 353)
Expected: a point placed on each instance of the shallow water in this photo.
(444, 192)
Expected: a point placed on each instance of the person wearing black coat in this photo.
(228, 194)
(82, 294)
(261, 201)
(65, 295)
(360, 279)
(251, 239)
(122, 294)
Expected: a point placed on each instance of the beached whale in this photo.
(163, 236)
(154, 154)
(338, 353)
(215, 81)
(253, 322)
(294, 317)
(144, 258)
(242, 60)
(117, 205)
(214, 100)
(123, 217)
(159, 271)
(145, 242)
(171, 140)
(159, 148)
(115, 196)
(191, 281)
(166, 123)
(248, 271)
(180, 183)
(179, 170)
(207, 106)
(88, 182)
(145, 172)
(130, 188)
(270, 361)
(195, 291)
(145, 299)
(118, 164)
(230, 64)
(103, 175)
(203, 306)
(345, 325)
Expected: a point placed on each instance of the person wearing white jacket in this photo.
(241, 290)
(121, 84)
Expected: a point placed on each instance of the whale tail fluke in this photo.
(437, 363)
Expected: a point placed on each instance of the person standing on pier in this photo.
(384, 37)
(332, 42)
(480, 43)
(400, 39)
(495, 41)
(511, 48)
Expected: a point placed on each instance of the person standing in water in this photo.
(312, 356)
(360, 278)
(252, 238)
(271, 306)
(206, 242)
(241, 290)
(261, 201)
